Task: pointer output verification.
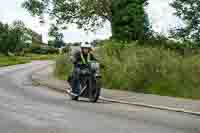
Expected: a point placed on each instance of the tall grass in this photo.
(150, 70)
(63, 67)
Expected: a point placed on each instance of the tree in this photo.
(54, 33)
(92, 14)
(12, 38)
(189, 12)
(129, 22)
(87, 14)
(57, 37)
(17, 36)
(4, 34)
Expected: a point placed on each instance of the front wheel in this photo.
(95, 92)
(95, 97)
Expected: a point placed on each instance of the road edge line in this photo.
(151, 106)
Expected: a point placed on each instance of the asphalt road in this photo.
(25, 108)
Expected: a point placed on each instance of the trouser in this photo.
(76, 81)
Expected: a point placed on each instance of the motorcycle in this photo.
(90, 85)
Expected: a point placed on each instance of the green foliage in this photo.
(52, 51)
(188, 11)
(54, 32)
(76, 44)
(36, 6)
(84, 13)
(150, 70)
(128, 19)
(13, 37)
(35, 48)
(144, 69)
(38, 49)
(63, 67)
(12, 60)
(160, 41)
(56, 43)
(66, 49)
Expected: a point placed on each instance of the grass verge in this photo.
(14, 60)
(41, 57)
(7, 61)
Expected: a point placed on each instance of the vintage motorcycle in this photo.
(90, 85)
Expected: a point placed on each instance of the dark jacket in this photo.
(78, 60)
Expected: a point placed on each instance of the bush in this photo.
(37, 49)
(52, 51)
(186, 48)
(66, 49)
(27, 50)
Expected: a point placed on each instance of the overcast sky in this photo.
(161, 15)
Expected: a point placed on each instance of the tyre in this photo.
(95, 97)
(95, 93)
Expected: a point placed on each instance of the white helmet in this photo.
(84, 45)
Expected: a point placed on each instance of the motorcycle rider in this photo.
(80, 59)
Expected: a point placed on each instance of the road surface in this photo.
(25, 108)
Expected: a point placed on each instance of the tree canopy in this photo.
(130, 22)
(92, 14)
(13, 37)
(57, 37)
(189, 12)
(87, 14)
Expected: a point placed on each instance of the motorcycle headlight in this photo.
(85, 71)
(95, 66)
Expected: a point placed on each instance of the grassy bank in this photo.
(14, 60)
(63, 67)
(146, 70)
